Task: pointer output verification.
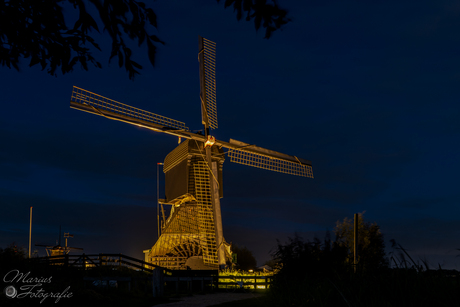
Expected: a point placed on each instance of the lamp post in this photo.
(158, 197)
(30, 231)
(355, 241)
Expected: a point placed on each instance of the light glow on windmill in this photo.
(210, 141)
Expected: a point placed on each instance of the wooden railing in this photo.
(210, 279)
(97, 260)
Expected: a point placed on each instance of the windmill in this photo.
(192, 234)
(58, 250)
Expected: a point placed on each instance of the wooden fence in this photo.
(87, 261)
(250, 282)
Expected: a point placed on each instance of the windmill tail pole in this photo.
(217, 217)
(158, 197)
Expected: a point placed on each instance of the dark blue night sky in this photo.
(366, 90)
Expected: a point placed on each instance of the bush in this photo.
(318, 274)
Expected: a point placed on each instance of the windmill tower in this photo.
(192, 235)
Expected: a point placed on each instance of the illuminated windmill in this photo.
(192, 234)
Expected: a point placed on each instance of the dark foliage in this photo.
(11, 257)
(312, 259)
(371, 246)
(245, 258)
(319, 274)
(38, 30)
(265, 14)
(306, 269)
(12, 253)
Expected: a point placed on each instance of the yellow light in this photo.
(210, 141)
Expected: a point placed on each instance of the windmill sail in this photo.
(84, 100)
(272, 164)
(207, 58)
(238, 152)
(251, 155)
